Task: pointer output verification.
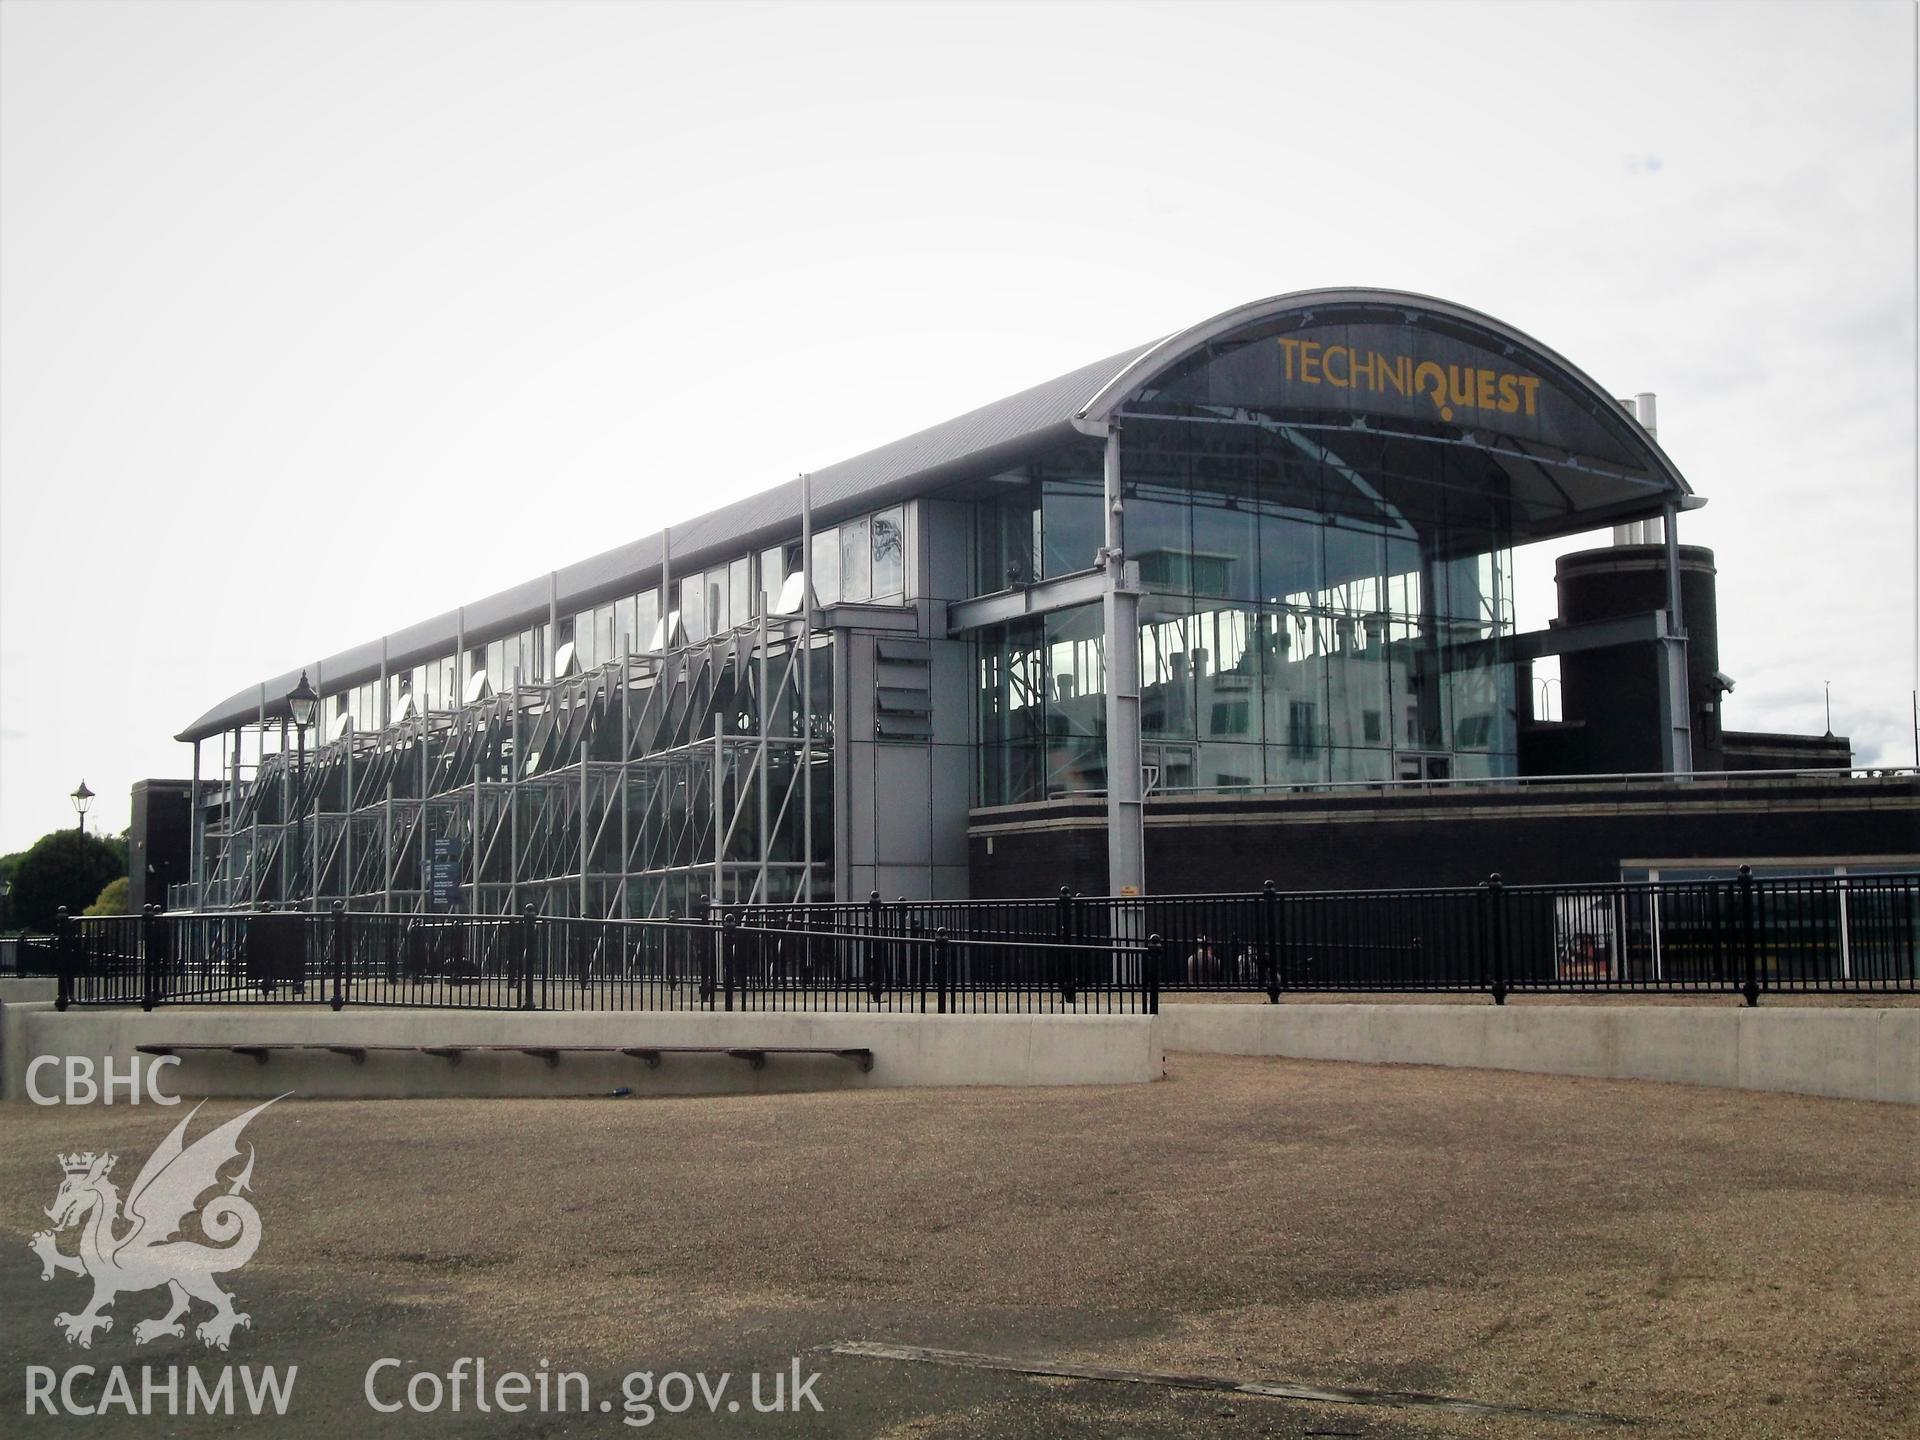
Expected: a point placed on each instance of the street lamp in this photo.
(302, 701)
(82, 798)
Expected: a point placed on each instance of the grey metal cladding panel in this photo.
(951, 776)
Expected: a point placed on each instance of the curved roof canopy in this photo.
(1341, 368)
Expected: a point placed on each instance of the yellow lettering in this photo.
(1460, 384)
(1527, 386)
(1287, 347)
(1310, 361)
(1327, 361)
(1509, 395)
(1428, 370)
(1399, 374)
(1362, 365)
(1483, 389)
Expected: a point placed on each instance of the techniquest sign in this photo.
(1451, 388)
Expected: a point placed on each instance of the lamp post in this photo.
(82, 798)
(302, 701)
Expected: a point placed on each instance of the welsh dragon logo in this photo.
(139, 1248)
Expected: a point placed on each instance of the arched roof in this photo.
(1395, 307)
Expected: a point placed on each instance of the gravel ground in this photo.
(1703, 1262)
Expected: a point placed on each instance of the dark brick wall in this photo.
(1557, 834)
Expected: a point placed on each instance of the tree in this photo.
(64, 868)
(113, 899)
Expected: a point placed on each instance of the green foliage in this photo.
(113, 899)
(64, 868)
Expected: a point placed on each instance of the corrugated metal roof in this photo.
(978, 442)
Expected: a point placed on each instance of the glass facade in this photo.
(615, 785)
(1310, 615)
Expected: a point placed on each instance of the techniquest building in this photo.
(1232, 606)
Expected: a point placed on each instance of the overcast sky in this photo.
(318, 319)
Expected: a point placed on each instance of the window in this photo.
(1301, 723)
(693, 608)
(826, 567)
(740, 599)
(605, 642)
(646, 621)
(889, 555)
(719, 617)
(856, 561)
(773, 575)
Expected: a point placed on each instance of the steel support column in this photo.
(1676, 732)
(806, 688)
(1126, 806)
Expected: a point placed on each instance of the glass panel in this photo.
(1011, 694)
(1076, 718)
(1225, 533)
(604, 646)
(773, 575)
(826, 567)
(856, 561)
(719, 607)
(1166, 679)
(1227, 672)
(693, 608)
(889, 555)
(626, 639)
(1005, 531)
(646, 620)
(741, 597)
(1157, 516)
(1072, 515)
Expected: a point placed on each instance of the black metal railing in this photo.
(532, 962)
(1745, 935)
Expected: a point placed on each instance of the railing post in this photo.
(149, 935)
(63, 958)
(709, 942)
(1270, 939)
(872, 949)
(1495, 937)
(1156, 954)
(1749, 939)
(527, 923)
(942, 953)
(729, 953)
(340, 938)
(1063, 936)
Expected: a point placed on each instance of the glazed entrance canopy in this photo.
(1402, 385)
(1387, 387)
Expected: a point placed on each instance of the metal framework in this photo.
(633, 791)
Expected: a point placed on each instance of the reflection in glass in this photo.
(889, 555)
(856, 561)
(826, 567)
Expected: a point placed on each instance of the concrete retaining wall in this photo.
(1861, 1054)
(909, 1050)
